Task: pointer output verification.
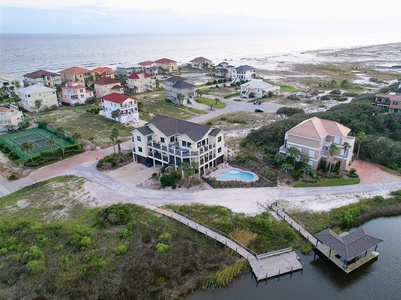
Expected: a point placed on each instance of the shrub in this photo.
(167, 180)
(162, 248)
(121, 249)
(35, 266)
(114, 215)
(125, 233)
(34, 253)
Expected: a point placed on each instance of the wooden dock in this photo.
(324, 249)
(264, 266)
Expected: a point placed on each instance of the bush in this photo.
(121, 249)
(167, 180)
(114, 215)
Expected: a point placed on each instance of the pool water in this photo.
(237, 175)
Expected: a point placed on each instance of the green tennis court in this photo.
(38, 137)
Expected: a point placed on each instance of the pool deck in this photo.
(225, 167)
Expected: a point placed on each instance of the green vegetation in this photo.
(210, 102)
(287, 88)
(329, 182)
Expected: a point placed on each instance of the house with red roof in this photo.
(105, 86)
(201, 63)
(166, 65)
(74, 93)
(103, 72)
(77, 74)
(120, 108)
(313, 138)
(43, 77)
(149, 67)
(140, 82)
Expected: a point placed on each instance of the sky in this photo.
(198, 17)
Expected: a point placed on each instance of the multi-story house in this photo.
(140, 82)
(169, 142)
(76, 74)
(179, 91)
(148, 67)
(243, 73)
(121, 108)
(390, 102)
(73, 93)
(257, 88)
(167, 65)
(313, 138)
(103, 72)
(10, 118)
(224, 70)
(201, 63)
(43, 77)
(105, 86)
(36, 97)
(125, 70)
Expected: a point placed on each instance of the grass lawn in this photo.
(329, 182)
(76, 119)
(209, 102)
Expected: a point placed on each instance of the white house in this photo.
(36, 97)
(169, 142)
(73, 93)
(43, 77)
(126, 70)
(126, 105)
(243, 73)
(10, 118)
(179, 91)
(105, 86)
(258, 87)
(140, 82)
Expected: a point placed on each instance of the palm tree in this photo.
(361, 138)
(50, 143)
(279, 158)
(116, 114)
(287, 167)
(113, 137)
(118, 142)
(38, 104)
(60, 132)
(180, 98)
(135, 89)
(346, 146)
(28, 147)
(77, 136)
(294, 153)
(332, 150)
(199, 92)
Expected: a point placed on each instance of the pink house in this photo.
(224, 70)
(74, 93)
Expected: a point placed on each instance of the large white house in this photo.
(43, 77)
(10, 118)
(121, 108)
(243, 73)
(105, 86)
(74, 93)
(179, 91)
(36, 97)
(169, 142)
(140, 82)
(125, 70)
(257, 88)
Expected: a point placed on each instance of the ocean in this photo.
(25, 53)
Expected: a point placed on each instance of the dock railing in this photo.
(273, 253)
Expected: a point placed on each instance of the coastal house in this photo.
(140, 82)
(73, 93)
(35, 98)
(42, 77)
(10, 84)
(10, 118)
(77, 74)
(243, 73)
(125, 70)
(166, 65)
(121, 108)
(179, 91)
(313, 138)
(105, 86)
(169, 142)
(148, 67)
(103, 72)
(257, 88)
(224, 70)
(201, 63)
(390, 102)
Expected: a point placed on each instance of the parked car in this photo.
(259, 110)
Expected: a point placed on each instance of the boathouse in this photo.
(351, 248)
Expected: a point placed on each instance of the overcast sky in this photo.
(199, 17)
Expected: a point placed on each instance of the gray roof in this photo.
(144, 130)
(175, 79)
(244, 68)
(215, 132)
(183, 85)
(350, 245)
(171, 126)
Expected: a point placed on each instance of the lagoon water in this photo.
(321, 279)
(25, 53)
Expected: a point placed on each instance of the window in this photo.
(184, 143)
(149, 138)
(189, 145)
(138, 138)
(162, 140)
(140, 149)
(395, 103)
(219, 150)
(172, 139)
(311, 153)
(337, 140)
(219, 139)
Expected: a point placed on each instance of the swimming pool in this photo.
(237, 175)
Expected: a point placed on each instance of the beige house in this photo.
(103, 72)
(313, 138)
(76, 74)
(105, 86)
(169, 142)
(140, 82)
(257, 88)
(179, 91)
(390, 102)
(200, 63)
(170, 66)
(35, 98)
(10, 118)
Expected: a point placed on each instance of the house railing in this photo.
(182, 152)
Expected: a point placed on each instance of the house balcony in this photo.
(282, 150)
(173, 148)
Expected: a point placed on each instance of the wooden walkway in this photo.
(324, 249)
(264, 266)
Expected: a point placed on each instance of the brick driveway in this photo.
(371, 173)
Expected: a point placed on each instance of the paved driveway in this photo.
(371, 173)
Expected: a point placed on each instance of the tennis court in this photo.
(38, 137)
